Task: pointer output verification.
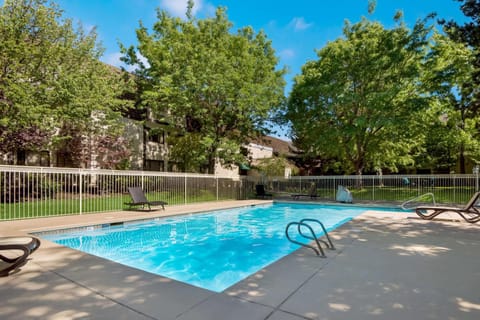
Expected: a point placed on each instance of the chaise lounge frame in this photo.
(27, 245)
(139, 199)
(261, 193)
(312, 193)
(470, 212)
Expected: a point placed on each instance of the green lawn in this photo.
(445, 195)
(115, 202)
(90, 204)
(442, 194)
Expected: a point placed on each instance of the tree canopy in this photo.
(50, 76)
(464, 59)
(469, 34)
(355, 103)
(218, 87)
(452, 126)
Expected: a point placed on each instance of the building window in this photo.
(156, 135)
(21, 157)
(154, 165)
(64, 160)
(45, 159)
(173, 167)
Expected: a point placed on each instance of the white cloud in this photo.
(299, 24)
(89, 28)
(178, 8)
(114, 60)
(143, 60)
(209, 9)
(287, 54)
(272, 24)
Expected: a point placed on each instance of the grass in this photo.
(442, 194)
(91, 204)
(447, 195)
(67, 204)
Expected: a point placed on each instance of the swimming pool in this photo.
(210, 250)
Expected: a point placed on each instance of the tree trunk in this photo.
(461, 159)
(359, 180)
(358, 172)
(359, 164)
(211, 160)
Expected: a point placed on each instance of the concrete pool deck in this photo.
(388, 265)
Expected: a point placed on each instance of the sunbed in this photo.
(31, 243)
(261, 193)
(14, 252)
(139, 199)
(312, 193)
(470, 212)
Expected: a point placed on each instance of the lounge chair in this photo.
(470, 212)
(18, 249)
(312, 193)
(139, 199)
(260, 192)
(31, 243)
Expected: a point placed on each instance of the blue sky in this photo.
(296, 28)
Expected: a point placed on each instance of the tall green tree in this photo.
(469, 34)
(355, 103)
(451, 124)
(50, 75)
(219, 86)
(467, 99)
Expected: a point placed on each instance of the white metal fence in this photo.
(29, 192)
(448, 189)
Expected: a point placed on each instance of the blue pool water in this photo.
(211, 250)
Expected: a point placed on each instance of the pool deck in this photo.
(387, 265)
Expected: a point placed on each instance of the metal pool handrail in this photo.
(328, 244)
(302, 223)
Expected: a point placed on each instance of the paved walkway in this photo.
(386, 266)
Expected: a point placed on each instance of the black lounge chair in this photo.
(261, 193)
(31, 243)
(139, 199)
(470, 212)
(19, 249)
(312, 193)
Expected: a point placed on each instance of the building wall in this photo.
(28, 158)
(7, 158)
(257, 151)
(231, 172)
(134, 133)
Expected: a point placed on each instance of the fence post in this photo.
(80, 188)
(334, 189)
(185, 190)
(418, 187)
(216, 180)
(475, 170)
(476, 180)
(373, 187)
(454, 186)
